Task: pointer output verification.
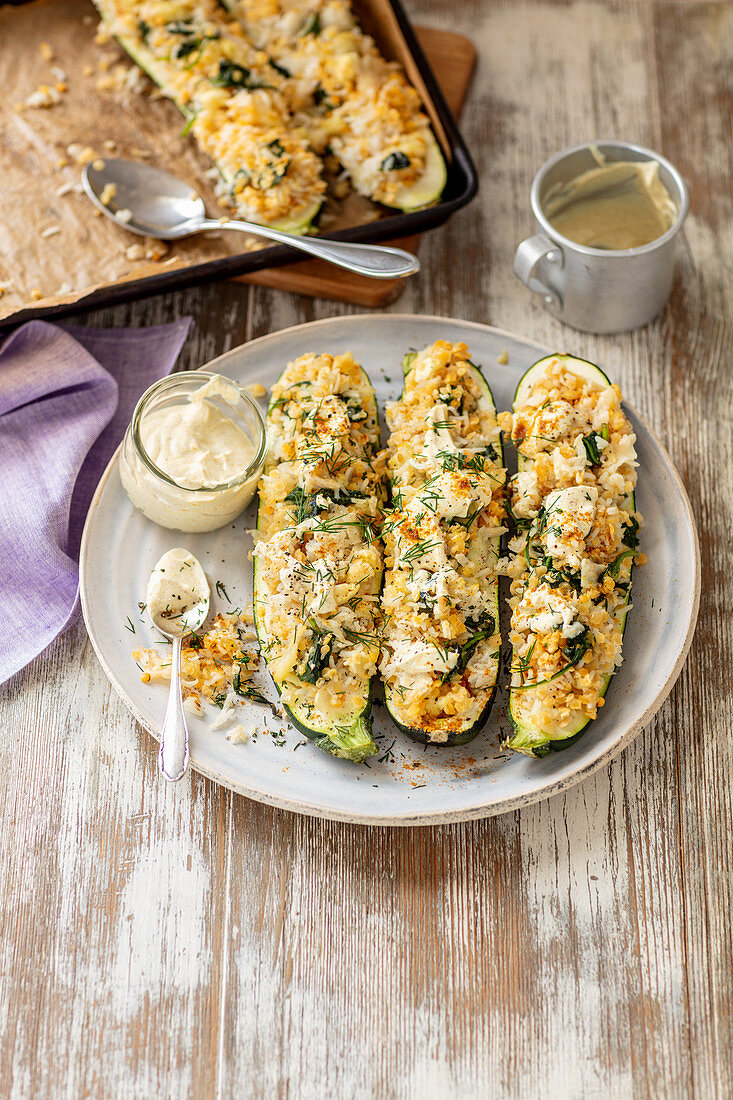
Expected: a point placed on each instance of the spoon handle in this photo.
(173, 755)
(377, 261)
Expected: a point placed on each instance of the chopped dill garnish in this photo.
(388, 755)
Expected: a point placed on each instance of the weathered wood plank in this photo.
(182, 941)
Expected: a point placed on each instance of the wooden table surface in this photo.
(180, 941)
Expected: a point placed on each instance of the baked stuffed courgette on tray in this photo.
(575, 542)
(233, 100)
(350, 101)
(318, 559)
(441, 642)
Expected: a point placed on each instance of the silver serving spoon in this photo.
(153, 203)
(177, 603)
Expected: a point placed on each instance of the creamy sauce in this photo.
(177, 586)
(617, 205)
(199, 447)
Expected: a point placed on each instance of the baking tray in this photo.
(389, 25)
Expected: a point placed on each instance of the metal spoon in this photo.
(177, 603)
(165, 207)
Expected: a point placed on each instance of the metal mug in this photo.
(597, 289)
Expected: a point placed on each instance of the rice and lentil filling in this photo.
(441, 639)
(318, 559)
(233, 98)
(217, 664)
(349, 99)
(576, 538)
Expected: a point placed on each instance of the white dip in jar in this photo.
(194, 452)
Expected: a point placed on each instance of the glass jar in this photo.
(194, 451)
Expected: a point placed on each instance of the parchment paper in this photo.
(85, 250)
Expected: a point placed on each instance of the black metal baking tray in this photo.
(461, 186)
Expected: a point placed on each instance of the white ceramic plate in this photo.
(408, 784)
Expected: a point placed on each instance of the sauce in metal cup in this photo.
(599, 290)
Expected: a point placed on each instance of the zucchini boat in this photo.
(232, 99)
(352, 102)
(576, 535)
(441, 644)
(318, 559)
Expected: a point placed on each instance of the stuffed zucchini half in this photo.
(352, 103)
(233, 101)
(318, 559)
(441, 643)
(576, 536)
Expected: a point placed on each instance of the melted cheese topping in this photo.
(543, 610)
(569, 515)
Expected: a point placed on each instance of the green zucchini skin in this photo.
(464, 736)
(351, 740)
(526, 739)
(582, 367)
(428, 189)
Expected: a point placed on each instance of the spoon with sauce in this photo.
(153, 203)
(177, 603)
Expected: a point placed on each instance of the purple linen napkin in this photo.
(66, 397)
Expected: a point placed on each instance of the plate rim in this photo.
(410, 819)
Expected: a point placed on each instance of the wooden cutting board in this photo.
(452, 58)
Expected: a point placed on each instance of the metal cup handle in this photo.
(527, 258)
